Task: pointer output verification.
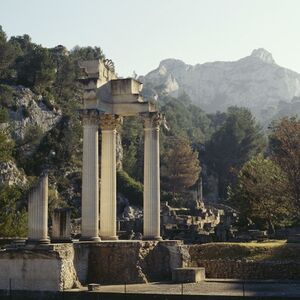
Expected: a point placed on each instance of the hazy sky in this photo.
(138, 34)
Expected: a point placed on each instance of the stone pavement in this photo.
(234, 288)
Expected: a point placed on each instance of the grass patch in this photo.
(263, 251)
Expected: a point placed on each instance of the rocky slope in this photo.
(255, 81)
(30, 110)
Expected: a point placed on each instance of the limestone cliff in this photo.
(255, 81)
(30, 110)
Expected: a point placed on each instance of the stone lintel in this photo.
(127, 109)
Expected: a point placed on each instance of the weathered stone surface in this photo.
(39, 114)
(134, 261)
(48, 268)
(185, 275)
(81, 260)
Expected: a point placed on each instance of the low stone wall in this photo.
(58, 267)
(135, 261)
(48, 268)
(250, 269)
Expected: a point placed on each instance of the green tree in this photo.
(234, 143)
(87, 53)
(130, 188)
(133, 147)
(285, 151)
(13, 219)
(180, 166)
(7, 56)
(36, 69)
(262, 193)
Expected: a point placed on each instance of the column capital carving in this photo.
(110, 122)
(152, 120)
(90, 116)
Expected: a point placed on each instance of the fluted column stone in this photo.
(38, 213)
(151, 208)
(108, 194)
(90, 177)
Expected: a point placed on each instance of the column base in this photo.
(109, 238)
(90, 239)
(152, 238)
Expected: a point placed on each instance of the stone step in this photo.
(188, 275)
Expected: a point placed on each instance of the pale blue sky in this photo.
(138, 34)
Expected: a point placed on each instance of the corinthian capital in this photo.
(152, 120)
(90, 116)
(110, 122)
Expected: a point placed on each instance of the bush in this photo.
(6, 95)
(4, 117)
(13, 218)
(130, 188)
(48, 100)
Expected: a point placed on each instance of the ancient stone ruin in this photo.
(63, 264)
(107, 100)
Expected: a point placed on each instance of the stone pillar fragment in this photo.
(108, 194)
(38, 213)
(61, 225)
(90, 177)
(151, 177)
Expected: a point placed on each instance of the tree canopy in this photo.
(262, 193)
(237, 140)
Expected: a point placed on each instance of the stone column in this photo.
(151, 177)
(38, 213)
(108, 194)
(90, 177)
(61, 225)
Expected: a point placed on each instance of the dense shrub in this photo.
(130, 188)
(6, 95)
(4, 116)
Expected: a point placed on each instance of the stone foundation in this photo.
(47, 268)
(58, 267)
(135, 261)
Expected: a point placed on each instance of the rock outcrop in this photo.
(11, 175)
(30, 110)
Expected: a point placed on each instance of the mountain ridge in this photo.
(255, 81)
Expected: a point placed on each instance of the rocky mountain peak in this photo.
(263, 55)
(171, 63)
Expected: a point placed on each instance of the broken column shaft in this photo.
(38, 213)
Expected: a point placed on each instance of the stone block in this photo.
(93, 286)
(188, 275)
(45, 268)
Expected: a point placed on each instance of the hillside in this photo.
(255, 81)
